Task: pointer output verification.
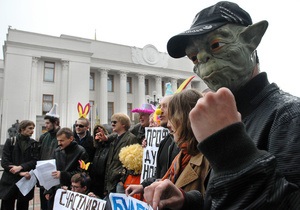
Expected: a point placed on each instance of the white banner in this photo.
(122, 202)
(154, 135)
(66, 199)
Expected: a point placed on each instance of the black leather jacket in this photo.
(244, 177)
(67, 161)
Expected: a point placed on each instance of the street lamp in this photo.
(153, 100)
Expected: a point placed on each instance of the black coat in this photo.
(88, 143)
(97, 168)
(255, 163)
(12, 155)
(67, 161)
(139, 131)
(167, 151)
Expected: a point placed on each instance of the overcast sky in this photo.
(138, 23)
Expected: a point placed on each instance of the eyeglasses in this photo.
(80, 126)
(114, 122)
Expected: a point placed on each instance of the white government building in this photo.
(39, 70)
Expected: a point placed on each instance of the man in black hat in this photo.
(249, 129)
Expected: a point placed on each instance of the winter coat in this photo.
(139, 131)
(88, 143)
(194, 174)
(67, 161)
(114, 166)
(12, 155)
(97, 168)
(48, 144)
(255, 163)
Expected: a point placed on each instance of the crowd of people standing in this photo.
(67, 147)
(234, 147)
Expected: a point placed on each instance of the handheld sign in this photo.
(66, 199)
(154, 136)
(122, 202)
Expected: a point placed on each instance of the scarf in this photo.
(178, 165)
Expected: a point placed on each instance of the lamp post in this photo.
(153, 100)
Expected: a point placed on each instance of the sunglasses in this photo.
(114, 122)
(80, 126)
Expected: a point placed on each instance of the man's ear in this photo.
(253, 34)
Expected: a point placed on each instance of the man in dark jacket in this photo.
(67, 157)
(120, 123)
(48, 144)
(84, 137)
(20, 154)
(249, 130)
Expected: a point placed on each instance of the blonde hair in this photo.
(123, 119)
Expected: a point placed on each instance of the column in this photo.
(141, 89)
(123, 92)
(63, 108)
(102, 111)
(174, 84)
(158, 87)
(33, 89)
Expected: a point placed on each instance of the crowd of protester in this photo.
(236, 146)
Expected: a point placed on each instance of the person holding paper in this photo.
(67, 157)
(19, 156)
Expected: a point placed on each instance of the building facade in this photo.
(39, 70)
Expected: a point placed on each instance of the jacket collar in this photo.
(250, 95)
(189, 175)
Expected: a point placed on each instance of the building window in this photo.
(110, 110)
(49, 69)
(129, 85)
(47, 103)
(163, 87)
(129, 108)
(92, 81)
(146, 86)
(110, 83)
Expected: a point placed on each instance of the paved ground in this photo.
(34, 204)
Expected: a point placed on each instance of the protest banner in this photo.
(122, 202)
(154, 135)
(66, 199)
